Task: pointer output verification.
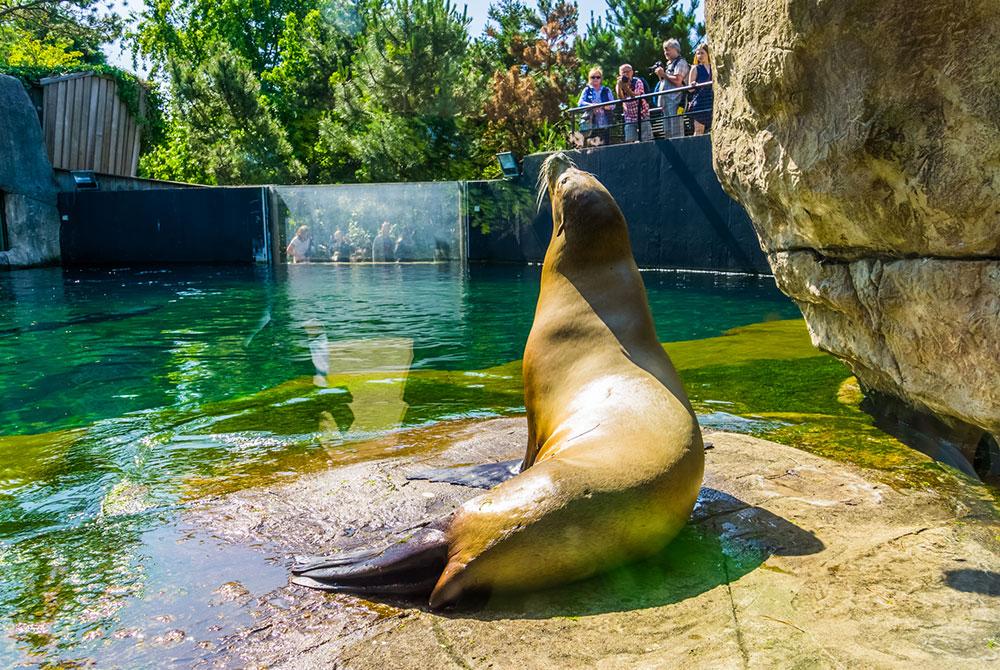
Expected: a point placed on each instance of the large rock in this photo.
(790, 561)
(27, 182)
(863, 137)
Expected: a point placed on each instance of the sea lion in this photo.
(614, 460)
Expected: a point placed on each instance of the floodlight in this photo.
(84, 180)
(508, 164)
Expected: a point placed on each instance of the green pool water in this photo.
(124, 393)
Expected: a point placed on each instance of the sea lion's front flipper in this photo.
(410, 565)
(484, 476)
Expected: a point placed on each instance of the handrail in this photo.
(678, 89)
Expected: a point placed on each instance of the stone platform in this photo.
(790, 561)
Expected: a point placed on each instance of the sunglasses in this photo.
(595, 76)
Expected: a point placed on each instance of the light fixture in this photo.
(85, 180)
(508, 164)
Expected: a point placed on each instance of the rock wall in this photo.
(863, 138)
(26, 181)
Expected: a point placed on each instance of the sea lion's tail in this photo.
(409, 566)
(552, 167)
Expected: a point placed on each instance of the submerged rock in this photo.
(863, 138)
(790, 560)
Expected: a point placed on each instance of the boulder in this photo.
(863, 138)
(26, 182)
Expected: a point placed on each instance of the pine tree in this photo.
(633, 31)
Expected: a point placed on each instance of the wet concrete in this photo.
(790, 560)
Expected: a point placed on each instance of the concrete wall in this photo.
(678, 214)
(164, 226)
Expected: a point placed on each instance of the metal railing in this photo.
(661, 125)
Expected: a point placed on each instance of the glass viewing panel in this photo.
(364, 223)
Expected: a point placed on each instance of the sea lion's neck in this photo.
(574, 248)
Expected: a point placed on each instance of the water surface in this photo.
(119, 386)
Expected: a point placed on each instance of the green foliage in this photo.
(24, 50)
(52, 33)
(224, 131)
(313, 52)
(399, 115)
(192, 31)
(526, 101)
(633, 31)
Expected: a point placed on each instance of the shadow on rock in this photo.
(967, 580)
(726, 539)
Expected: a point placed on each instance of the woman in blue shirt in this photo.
(594, 123)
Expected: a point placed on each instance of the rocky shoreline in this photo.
(790, 560)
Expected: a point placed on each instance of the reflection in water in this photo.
(218, 374)
(371, 375)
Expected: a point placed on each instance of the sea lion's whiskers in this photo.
(552, 166)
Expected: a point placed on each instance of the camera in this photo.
(623, 79)
(652, 68)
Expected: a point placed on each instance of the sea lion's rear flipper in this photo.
(409, 566)
(484, 476)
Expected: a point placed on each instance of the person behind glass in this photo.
(700, 108)
(300, 249)
(383, 245)
(594, 123)
(340, 250)
(673, 75)
(629, 86)
(406, 246)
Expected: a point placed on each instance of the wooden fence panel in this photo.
(88, 127)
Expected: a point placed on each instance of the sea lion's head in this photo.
(585, 218)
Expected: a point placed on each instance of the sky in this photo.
(477, 10)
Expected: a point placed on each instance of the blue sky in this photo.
(477, 10)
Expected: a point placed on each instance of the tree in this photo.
(215, 56)
(633, 31)
(223, 130)
(54, 33)
(314, 55)
(190, 31)
(399, 115)
(527, 99)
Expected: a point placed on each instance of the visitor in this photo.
(300, 249)
(630, 86)
(405, 247)
(340, 250)
(700, 108)
(675, 75)
(383, 245)
(595, 122)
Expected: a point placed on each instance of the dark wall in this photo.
(678, 214)
(203, 225)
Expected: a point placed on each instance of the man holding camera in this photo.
(629, 86)
(672, 75)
